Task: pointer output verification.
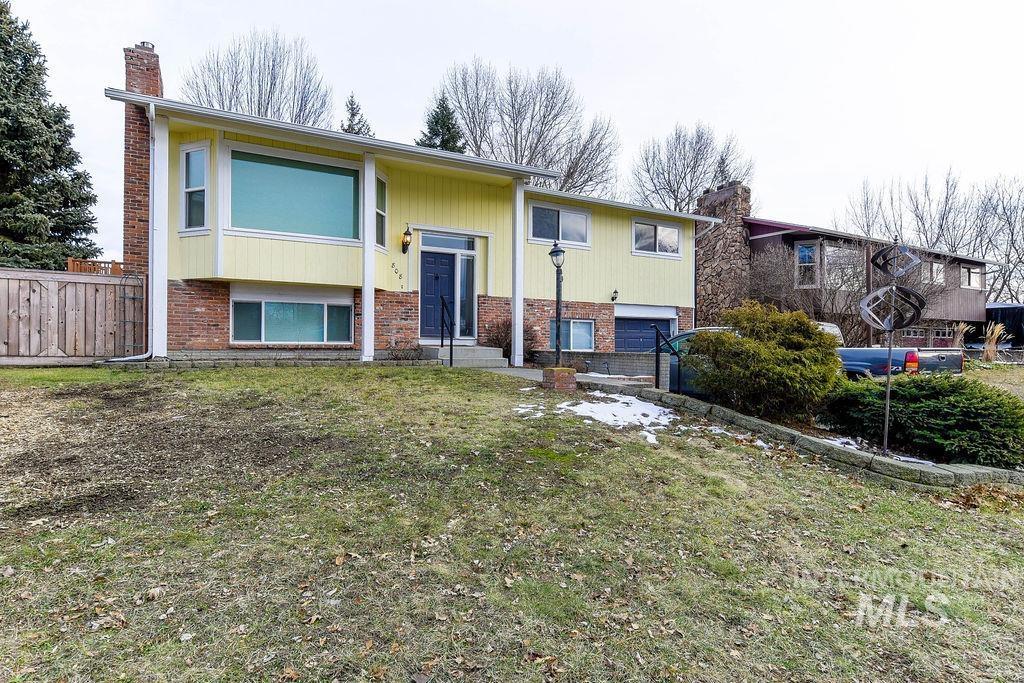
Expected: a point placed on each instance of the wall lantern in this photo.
(406, 239)
(615, 295)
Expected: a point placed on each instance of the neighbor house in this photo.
(257, 234)
(829, 269)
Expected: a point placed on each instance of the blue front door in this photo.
(437, 279)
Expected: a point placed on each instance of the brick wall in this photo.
(197, 315)
(142, 75)
(538, 314)
(396, 319)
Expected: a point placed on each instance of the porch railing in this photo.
(84, 265)
(448, 320)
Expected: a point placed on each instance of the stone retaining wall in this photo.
(889, 471)
(207, 363)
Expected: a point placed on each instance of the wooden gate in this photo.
(60, 318)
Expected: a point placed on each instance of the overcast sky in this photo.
(820, 94)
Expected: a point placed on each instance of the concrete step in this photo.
(499, 362)
(462, 352)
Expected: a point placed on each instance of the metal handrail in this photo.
(446, 311)
(660, 339)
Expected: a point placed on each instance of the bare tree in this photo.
(536, 119)
(671, 173)
(264, 74)
(985, 221)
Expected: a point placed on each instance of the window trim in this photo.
(943, 333)
(817, 264)
(981, 277)
(678, 227)
(263, 301)
(558, 207)
(231, 146)
(568, 346)
(382, 248)
(183, 229)
(459, 254)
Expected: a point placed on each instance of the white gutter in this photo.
(151, 115)
(355, 143)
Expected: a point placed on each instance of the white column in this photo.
(369, 231)
(518, 256)
(158, 223)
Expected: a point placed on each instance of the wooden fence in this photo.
(60, 318)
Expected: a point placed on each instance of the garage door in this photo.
(636, 335)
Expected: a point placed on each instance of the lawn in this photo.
(411, 524)
(1009, 377)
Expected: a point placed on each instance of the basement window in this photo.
(577, 335)
(281, 322)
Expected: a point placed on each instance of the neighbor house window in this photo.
(933, 273)
(290, 196)
(916, 332)
(382, 212)
(844, 267)
(655, 238)
(277, 322)
(806, 264)
(943, 332)
(577, 335)
(971, 277)
(194, 171)
(568, 226)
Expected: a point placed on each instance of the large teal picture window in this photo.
(299, 197)
(276, 322)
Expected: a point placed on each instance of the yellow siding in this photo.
(425, 197)
(267, 142)
(275, 260)
(189, 257)
(592, 275)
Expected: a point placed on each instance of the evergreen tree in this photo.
(443, 130)
(45, 198)
(355, 122)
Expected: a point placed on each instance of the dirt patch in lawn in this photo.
(94, 448)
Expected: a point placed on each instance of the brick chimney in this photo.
(141, 75)
(723, 251)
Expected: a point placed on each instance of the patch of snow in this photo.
(651, 438)
(527, 388)
(843, 441)
(622, 411)
(530, 410)
(918, 461)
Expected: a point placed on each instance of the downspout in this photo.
(151, 115)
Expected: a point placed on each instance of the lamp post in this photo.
(557, 255)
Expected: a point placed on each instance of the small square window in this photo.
(246, 321)
(552, 223)
(339, 323)
(651, 238)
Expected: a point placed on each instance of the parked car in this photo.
(858, 363)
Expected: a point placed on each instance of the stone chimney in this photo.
(141, 75)
(723, 251)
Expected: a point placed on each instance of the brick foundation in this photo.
(198, 315)
(538, 314)
(396, 319)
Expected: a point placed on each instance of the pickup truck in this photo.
(858, 363)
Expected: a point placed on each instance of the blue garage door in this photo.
(636, 335)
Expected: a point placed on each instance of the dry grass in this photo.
(1008, 377)
(386, 524)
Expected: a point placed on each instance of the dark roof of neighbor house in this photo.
(358, 143)
(773, 227)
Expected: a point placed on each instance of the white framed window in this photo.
(283, 194)
(807, 273)
(943, 333)
(577, 335)
(569, 225)
(654, 238)
(290, 322)
(195, 173)
(916, 332)
(933, 273)
(844, 267)
(382, 212)
(972, 277)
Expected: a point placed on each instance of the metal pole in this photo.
(558, 317)
(888, 382)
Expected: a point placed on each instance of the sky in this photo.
(822, 95)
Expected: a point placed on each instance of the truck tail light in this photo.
(912, 363)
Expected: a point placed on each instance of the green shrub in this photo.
(780, 364)
(940, 417)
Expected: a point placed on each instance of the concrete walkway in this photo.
(536, 375)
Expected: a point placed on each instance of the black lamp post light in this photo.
(557, 255)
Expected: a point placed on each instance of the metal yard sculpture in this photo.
(892, 308)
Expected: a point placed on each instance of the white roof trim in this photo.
(547, 192)
(358, 143)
